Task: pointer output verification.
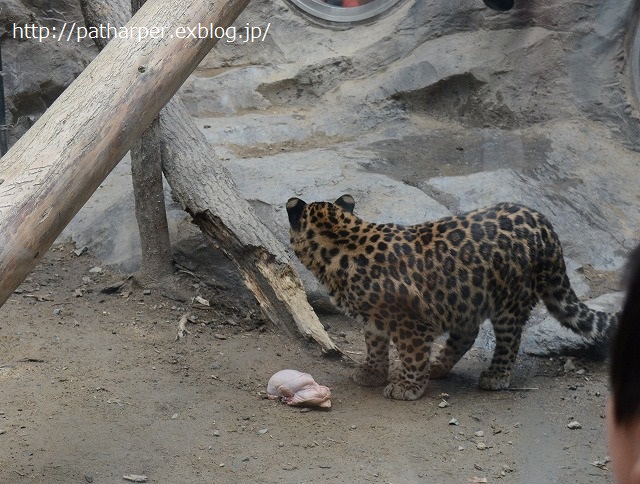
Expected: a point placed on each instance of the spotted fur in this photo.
(410, 284)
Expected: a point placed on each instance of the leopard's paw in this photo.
(493, 380)
(404, 390)
(369, 377)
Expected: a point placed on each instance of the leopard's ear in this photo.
(295, 206)
(346, 202)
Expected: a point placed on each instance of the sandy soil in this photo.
(95, 387)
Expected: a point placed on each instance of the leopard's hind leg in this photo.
(508, 331)
(458, 343)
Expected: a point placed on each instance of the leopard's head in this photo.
(316, 224)
(319, 214)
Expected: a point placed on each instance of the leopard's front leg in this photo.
(414, 351)
(375, 369)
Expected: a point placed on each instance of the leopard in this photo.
(410, 284)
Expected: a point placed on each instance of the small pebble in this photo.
(174, 416)
(146, 292)
(481, 446)
(79, 252)
(460, 448)
(569, 366)
(574, 424)
(216, 433)
(57, 311)
(479, 433)
(454, 421)
(135, 478)
(443, 404)
(263, 431)
(95, 270)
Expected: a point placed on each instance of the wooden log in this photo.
(55, 167)
(208, 193)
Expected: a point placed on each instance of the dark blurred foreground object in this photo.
(500, 5)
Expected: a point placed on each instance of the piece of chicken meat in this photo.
(296, 388)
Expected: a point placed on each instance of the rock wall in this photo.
(36, 72)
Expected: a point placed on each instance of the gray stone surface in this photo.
(36, 71)
(468, 106)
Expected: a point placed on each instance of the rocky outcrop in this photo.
(37, 70)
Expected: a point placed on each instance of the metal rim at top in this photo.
(333, 13)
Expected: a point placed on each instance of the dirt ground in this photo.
(94, 387)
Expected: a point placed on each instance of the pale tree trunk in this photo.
(207, 192)
(50, 173)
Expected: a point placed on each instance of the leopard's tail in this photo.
(596, 326)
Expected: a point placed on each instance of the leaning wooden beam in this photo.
(50, 173)
(207, 192)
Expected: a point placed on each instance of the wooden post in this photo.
(50, 173)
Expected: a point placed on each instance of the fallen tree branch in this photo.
(182, 326)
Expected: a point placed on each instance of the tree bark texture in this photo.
(50, 173)
(151, 213)
(146, 163)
